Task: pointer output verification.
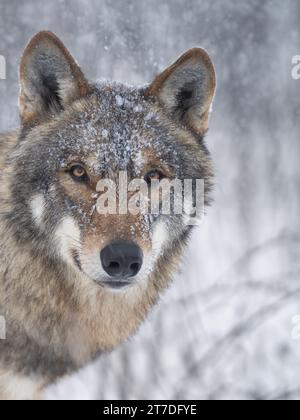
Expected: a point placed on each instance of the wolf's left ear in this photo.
(50, 79)
(186, 89)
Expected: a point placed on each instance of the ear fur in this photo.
(50, 79)
(186, 89)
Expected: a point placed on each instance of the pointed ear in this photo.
(186, 89)
(50, 79)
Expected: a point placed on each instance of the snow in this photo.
(120, 101)
(226, 329)
(104, 133)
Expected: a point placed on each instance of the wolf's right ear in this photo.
(186, 90)
(50, 79)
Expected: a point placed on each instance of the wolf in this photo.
(73, 283)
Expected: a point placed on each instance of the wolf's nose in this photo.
(122, 260)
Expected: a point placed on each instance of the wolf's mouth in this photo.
(116, 285)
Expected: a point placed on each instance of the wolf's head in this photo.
(75, 135)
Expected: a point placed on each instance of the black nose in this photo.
(122, 260)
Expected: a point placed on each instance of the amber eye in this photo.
(78, 173)
(154, 175)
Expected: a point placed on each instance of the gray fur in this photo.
(59, 318)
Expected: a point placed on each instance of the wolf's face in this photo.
(76, 136)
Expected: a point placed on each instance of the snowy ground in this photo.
(225, 329)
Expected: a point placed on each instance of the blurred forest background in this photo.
(226, 329)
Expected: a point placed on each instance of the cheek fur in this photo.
(160, 238)
(68, 238)
(37, 207)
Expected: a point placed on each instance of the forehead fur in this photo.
(117, 128)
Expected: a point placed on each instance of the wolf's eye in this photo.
(154, 175)
(78, 173)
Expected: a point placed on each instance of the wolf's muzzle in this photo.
(122, 261)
